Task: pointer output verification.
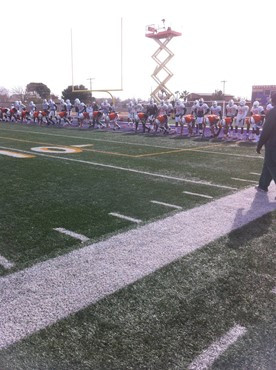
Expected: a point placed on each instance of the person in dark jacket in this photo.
(268, 139)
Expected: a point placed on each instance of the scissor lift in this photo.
(162, 38)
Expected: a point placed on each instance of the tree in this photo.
(84, 96)
(218, 95)
(4, 95)
(18, 93)
(41, 89)
(182, 95)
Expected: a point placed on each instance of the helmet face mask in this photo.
(242, 102)
(201, 101)
(215, 104)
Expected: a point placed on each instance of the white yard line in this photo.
(209, 355)
(255, 173)
(245, 180)
(53, 289)
(6, 263)
(198, 195)
(125, 217)
(126, 169)
(72, 234)
(166, 204)
(82, 145)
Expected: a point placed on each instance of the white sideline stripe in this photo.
(72, 233)
(198, 195)
(125, 217)
(255, 173)
(274, 290)
(5, 263)
(128, 170)
(51, 290)
(82, 145)
(137, 144)
(208, 356)
(245, 180)
(166, 204)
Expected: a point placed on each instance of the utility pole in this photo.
(90, 79)
(223, 88)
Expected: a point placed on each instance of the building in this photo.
(262, 93)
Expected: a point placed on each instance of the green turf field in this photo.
(166, 319)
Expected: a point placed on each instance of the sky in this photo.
(221, 40)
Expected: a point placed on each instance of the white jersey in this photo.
(68, 107)
(32, 107)
(268, 107)
(257, 110)
(131, 108)
(179, 109)
(231, 110)
(216, 110)
(201, 110)
(242, 112)
(193, 109)
(162, 109)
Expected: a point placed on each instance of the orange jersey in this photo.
(162, 118)
(213, 118)
(141, 115)
(257, 118)
(62, 114)
(228, 120)
(24, 113)
(96, 113)
(112, 115)
(189, 118)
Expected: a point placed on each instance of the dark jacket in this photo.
(268, 136)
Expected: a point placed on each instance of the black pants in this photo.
(269, 169)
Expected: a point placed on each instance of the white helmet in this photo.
(77, 101)
(242, 102)
(201, 101)
(44, 101)
(68, 101)
(231, 102)
(215, 103)
(195, 102)
(256, 103)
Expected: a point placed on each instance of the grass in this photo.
(166, 319)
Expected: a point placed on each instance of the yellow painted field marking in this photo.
(15, 154)
(116, 153)
(177, 150)
(49, 145)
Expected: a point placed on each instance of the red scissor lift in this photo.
(162, 38)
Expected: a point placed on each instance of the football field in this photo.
(120, 209)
